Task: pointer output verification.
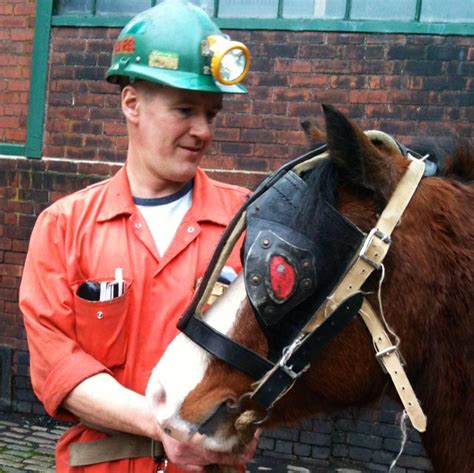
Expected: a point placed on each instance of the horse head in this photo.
(334, 206)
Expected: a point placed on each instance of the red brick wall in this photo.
(402, 84)
(16, 40)
(406, 85)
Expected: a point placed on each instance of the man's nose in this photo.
(201, 128)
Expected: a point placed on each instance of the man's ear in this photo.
(130, 103)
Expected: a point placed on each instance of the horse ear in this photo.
(357, 159)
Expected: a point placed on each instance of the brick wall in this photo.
(16, 35)
(391, 82)
(402, 84)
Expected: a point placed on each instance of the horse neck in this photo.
(431, 271)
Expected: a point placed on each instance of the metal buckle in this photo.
(162, 466)
(287, 353)
(375, 232)
(387, 352)
(289, 370)
(157, 452)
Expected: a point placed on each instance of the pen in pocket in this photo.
(119, 282)
(103, 291)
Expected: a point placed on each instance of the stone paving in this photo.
(27, 444)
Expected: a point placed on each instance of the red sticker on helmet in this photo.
(125, 46)
(282, 277)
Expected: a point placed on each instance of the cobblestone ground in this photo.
(27, 444)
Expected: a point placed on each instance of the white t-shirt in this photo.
(164, 214)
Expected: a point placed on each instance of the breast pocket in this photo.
(101, 327)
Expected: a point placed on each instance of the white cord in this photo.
(403, 429)
(382, 315)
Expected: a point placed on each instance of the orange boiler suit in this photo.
(85, 237)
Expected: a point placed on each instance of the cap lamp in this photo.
(230, 60)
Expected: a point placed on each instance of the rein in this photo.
(273, 380)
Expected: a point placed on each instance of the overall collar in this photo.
(206, 199)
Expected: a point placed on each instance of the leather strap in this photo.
(370, 257)
(390, 358)
(118, 446)
(300, 354)
(226, 349)
(376, 244)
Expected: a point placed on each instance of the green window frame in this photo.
(45, 20)
(346, 24)
(33, 146)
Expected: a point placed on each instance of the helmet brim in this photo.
(172, 78)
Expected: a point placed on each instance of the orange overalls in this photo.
(86, 236)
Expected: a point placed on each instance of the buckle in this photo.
(287, 354)
(375, 232)
(289, 370)
(162, 466)
(387, 352)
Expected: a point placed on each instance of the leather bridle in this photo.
(274, 379)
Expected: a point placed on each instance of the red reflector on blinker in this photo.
(282, 277)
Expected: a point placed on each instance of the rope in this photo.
(403, 420)
(382, 315)
(403, 423)
(403, 429)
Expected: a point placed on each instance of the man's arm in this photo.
(103, 401)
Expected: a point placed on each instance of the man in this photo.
(112, 267)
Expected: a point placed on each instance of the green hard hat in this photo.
(172, 44)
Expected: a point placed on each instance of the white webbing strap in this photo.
(389, 356)
(371, 255)
(401, 197)
(229, 246)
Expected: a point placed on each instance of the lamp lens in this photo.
(232, 64)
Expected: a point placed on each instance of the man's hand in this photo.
(102, 401)
(193, 458)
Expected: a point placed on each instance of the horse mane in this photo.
(454, 157)
(322, 180)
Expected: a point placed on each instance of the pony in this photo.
(423, 290)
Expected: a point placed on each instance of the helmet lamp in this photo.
(230, 60)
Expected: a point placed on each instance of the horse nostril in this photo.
(158, 394)
(232, 405)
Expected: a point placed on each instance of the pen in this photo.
(119, 281)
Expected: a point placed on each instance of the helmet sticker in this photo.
(125, 46)
(163, 60)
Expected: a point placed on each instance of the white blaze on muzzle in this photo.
(184, 365)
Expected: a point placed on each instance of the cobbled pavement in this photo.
(27, 443)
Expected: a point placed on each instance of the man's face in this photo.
(171, 131)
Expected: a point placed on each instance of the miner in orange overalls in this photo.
(111, 268)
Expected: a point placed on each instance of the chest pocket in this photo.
(101, 327)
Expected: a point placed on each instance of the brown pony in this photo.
(427, 300)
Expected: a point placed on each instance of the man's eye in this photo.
(185, 111)
(211, 116)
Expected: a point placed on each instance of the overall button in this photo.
(191, 229)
